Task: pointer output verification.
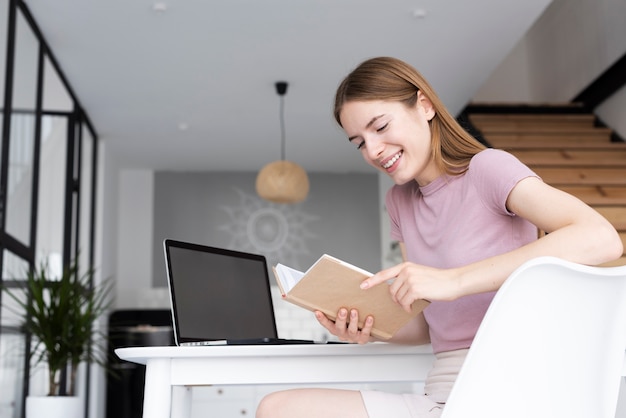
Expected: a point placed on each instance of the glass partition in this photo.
(55, 95)
(55, 125)
(20, 176)
(25, 66)
(22, 134)
(51, 193)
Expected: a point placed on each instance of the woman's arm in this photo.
(575, 232)
(416, 331)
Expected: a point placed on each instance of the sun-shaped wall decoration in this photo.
(277, 231)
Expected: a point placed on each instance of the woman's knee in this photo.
(270, 405)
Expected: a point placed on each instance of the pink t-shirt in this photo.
(458, 220)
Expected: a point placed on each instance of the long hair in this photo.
(391, 79)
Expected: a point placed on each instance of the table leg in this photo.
(157, 398)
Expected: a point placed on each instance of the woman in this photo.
(466, 217)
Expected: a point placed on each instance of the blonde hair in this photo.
(391, 79)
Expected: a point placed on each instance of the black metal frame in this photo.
(77, 120)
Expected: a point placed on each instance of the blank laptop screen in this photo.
(218, 294)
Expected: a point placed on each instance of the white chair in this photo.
(551, 345)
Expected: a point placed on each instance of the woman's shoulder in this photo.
(492, 160)
(492, 155)
(495, 166)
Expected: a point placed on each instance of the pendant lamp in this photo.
(282, 181)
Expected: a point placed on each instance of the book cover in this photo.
(330, 284)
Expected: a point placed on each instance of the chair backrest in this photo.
(551, 345)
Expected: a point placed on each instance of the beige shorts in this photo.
(386, 405)
(438, 385)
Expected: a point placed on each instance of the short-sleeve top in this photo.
(458, 220)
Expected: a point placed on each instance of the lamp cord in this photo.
(282, 127)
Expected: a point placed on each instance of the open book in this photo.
(331, 284)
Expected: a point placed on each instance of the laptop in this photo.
(220, 296)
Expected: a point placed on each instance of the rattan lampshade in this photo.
(282, 181)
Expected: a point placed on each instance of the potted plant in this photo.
(59, 313)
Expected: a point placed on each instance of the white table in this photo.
(170, 371)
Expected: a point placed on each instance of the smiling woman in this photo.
(465, 217)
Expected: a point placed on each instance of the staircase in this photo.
(566, 149)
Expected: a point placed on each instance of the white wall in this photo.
(509, 83)
(134, 249)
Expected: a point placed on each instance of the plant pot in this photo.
(54, 407)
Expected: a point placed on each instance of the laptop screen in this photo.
(218, 294)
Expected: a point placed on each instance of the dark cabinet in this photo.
(125, 385)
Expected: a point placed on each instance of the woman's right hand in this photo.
(346, 327)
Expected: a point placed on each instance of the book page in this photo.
(343, 263)
(289, 277)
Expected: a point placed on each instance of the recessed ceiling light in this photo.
(159, 6)
(183, 126)
(419, 13)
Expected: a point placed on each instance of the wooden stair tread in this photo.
(487, 130)
(534, 123)
(565, 157)
(582, 175)
(513, 106)
(598, 195)
(567, 118)
(559, 145)
(553, 141)
(599, 135)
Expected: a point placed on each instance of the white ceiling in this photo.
(141, 72)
